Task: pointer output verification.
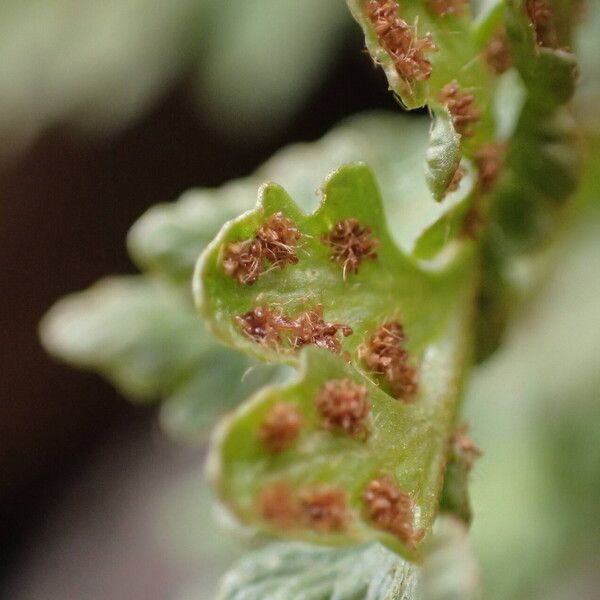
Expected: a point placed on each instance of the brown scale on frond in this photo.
(542, 19)
(278, 237)
(497, 53)
(385, 355)
(464, 447)
(277, 505)
(344, 405)
(310, 327)
(449, 7)
(324, 508)
(391, 510)
(263, 324)
(280, 427)
(456, 179)
(351, 244)
(273, 243)
(489, 159)
(400, 40)
(461, 106)
(243, 261)
(270, 326)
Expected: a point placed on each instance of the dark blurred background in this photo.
(67, 203)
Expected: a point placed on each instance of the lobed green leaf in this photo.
(408, 441)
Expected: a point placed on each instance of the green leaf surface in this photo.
(303, 572)
(407, 441)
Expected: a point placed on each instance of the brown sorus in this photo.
(456, 179)
(391, 510)
(310, 327)
(243, 261)
(385, 355)
(473, 221)
(449, 7)
(324, 508)
(263, 324)
(400, 40)
(344, 405)
(274, 243)
(269, 325)
(497, 53)
(461, 106)
(278, 237)
(351, 244)
(277, 504)
(489, 159)
(280, 427)
(464, 447)
(541, 17)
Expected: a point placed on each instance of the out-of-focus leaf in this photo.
(588, 51)
(541, 169)
(264, 57)
(407, 441)
(299, 571)
(147, 341)
(303, 572)
(98, 65)
(540, 424)
(450, 570)
(136, 332)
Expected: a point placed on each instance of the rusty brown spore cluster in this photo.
(461, 106)
(271, 326)
(463, 447)
(277, 505)
(392, 510)
(400, 40)
(444, 8)
(489, 159)
(456, 179)
(280, 427)
(497, 53)
(323, 508)
(542, 19)
(384, 354)
(344, 406)
(264, 325)
(351, 244)
(310, 327)
(274, 244)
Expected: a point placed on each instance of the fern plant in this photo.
(379, 300)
